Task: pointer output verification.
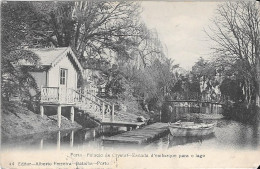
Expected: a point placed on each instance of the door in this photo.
(63, 84)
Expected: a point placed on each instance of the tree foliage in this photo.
(236, 33)
(16, 21)
(98, 32)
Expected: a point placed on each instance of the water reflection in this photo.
(174, 141)
(228, 134)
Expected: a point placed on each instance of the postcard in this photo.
(130, 84)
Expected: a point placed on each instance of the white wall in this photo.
(54, 74)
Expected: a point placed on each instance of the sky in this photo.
(180, 28)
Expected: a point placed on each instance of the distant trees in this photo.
(154, 81)
(203, 68)
(236, 32)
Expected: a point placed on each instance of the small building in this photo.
(57, 77)
(56, 74)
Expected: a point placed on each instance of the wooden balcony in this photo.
(56, 95)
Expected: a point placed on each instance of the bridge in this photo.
(196, 97)
(192, 102)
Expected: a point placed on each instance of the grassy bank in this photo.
(17, 121)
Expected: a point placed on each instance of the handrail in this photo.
(98, 98)
(86, 97)
(106, 107)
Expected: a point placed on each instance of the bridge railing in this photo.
(194, 96)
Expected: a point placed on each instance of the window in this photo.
(63, 76)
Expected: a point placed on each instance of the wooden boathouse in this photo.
(57, 77)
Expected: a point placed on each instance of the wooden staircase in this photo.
(104, 112)
(94, 106)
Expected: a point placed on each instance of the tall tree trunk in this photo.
(258, 82)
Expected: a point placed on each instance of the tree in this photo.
(237, 37)
(101, 29)
(16, 19)
(203, 68)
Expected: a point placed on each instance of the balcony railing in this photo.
(57, 95)
(50, 94)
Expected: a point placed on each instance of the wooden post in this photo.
(72, 114)
(160, 115)
(41, 94)
(59, 94)
(207, 108)
(113, 112)
(189, 107)
(66, 96)
(94, 133)
(41, 110)
(58, 140)
(102, 129)
(59, 115)
(103, 111)
(41, 144)
(71, 138)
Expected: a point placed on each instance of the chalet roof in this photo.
(48, 55)
(51, 56)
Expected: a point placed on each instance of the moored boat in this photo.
(191, 129)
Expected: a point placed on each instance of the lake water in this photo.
(228, 135)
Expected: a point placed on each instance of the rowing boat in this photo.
(191, 129)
